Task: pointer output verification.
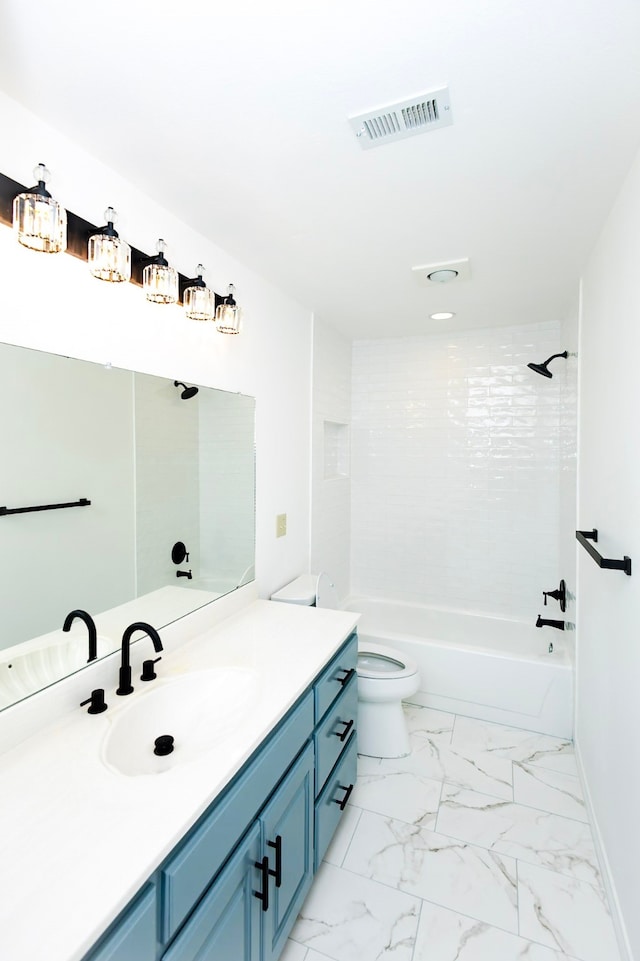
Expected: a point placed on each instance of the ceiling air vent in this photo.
(405, 119)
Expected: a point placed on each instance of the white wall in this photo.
(456, 462)
(330, 478)
(52, 303)
(608, 655)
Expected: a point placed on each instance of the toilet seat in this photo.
(377, 661)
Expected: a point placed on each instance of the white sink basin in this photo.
(198, 710)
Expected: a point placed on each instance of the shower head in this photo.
(542, 368)
(188, 392)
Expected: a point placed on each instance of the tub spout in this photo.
(545, 622)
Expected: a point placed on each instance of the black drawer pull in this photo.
(277, 874)
(348, 674)
(263, 867)
(343, 803)
(347, 727)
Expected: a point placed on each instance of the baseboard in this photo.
(605, 868)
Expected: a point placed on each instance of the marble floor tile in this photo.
(350, 918)
(553, 753)
(294, 952)
(549, 791)
(478, 770)
(427, 722)
(561, 844)
(367, 765)
(335, 853)
(444, 935)
(565, 914)
(399, 794)
(457, 875)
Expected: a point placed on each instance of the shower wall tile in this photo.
(330, 480)
(456, 455)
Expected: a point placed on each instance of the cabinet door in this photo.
(287, 839)
(226, 924)
(134, 933)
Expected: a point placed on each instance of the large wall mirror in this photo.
(169, 472)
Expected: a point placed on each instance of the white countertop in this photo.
(77, 839)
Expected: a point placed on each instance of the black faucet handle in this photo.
(148, 672)
(96, 702)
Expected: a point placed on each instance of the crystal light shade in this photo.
(199, 302)
(39, 221)
(159, 280)
(109, 256)
(228, 314)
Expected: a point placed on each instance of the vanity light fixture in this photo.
(159, 280)
(39, 220)
(228, 314)
(109, 257)
(442, 315)
(199, 301)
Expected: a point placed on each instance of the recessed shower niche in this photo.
(336, 449)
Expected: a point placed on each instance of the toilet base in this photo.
(382, 729)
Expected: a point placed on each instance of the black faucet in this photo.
(187, 574)
(125, 686)
(543, 622)
(91, 627)
(560, 594)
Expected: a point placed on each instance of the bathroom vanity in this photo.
(214, 852)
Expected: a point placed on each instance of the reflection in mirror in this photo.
(158, 468)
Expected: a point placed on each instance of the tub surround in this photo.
(494, 669)
(83, 838)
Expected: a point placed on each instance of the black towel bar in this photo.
(83, 502)
(585, 536)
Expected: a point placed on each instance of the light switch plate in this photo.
(281, 525)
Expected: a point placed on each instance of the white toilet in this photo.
(385, 676)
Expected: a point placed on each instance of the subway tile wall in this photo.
(330, 480)
(455, 469)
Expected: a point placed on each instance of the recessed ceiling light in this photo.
(443, 276)
(442, 315)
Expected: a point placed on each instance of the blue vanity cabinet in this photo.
(233, 886)
(287, 831)
(226, 924)
(135, 934)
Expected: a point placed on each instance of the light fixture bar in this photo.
(78, 232)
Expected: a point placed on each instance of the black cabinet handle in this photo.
(263, 867)
(277, 874)
(347, 727)
(348, 674)
(343, 803)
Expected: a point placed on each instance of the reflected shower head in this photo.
(188, 392)
(542, 368)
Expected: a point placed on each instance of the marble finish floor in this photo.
(476, 847)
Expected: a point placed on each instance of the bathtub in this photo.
(490, 668)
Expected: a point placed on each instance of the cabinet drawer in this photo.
(336, 792)
(133, 934)
(188, 872)
(335, 730)
(335, 677)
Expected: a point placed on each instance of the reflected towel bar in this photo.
(585, 536)
(83, 502)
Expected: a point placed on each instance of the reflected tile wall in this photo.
(456, 459)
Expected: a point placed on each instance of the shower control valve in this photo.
(560, 595)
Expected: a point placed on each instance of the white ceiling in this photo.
(235, 115)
